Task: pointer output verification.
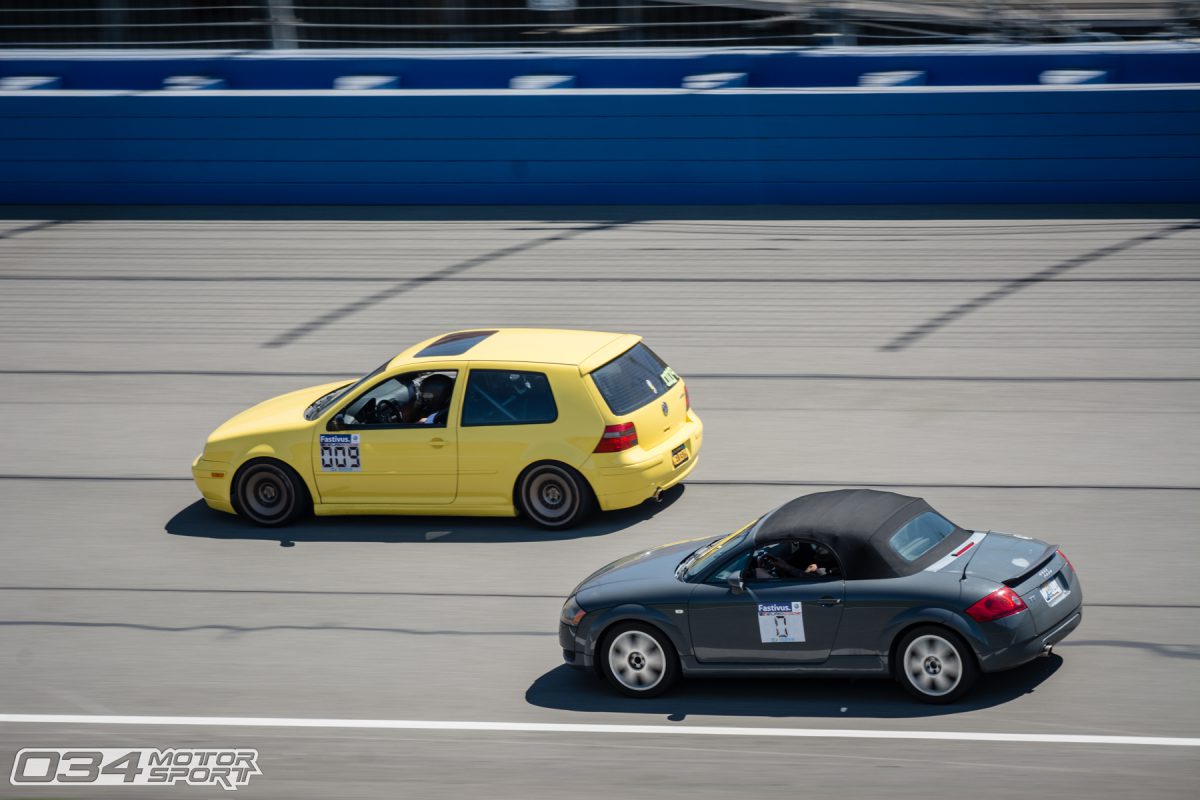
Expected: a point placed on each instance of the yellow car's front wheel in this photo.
(269, 493)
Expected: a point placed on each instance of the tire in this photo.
(270, 494)
(935, 665)
(553, 495)
(638, 660)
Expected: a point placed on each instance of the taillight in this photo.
(1003, 602)
(687, 406)
(617, 438)
(1064, 558)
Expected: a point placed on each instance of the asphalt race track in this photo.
(1038, 374)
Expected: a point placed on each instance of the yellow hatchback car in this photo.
(544, 423)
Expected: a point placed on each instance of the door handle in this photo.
(437, 441)
(829, 601)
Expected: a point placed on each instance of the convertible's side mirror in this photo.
(337, 423)
(736, 585)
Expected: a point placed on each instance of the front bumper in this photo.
(212, 479)
(574, 650)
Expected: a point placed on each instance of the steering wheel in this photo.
(764, 563)
(387, 413)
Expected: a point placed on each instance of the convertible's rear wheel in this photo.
(269, 494)
(638, 660)
(935, 665)
(553, 495)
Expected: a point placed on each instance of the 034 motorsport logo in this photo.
(117, 766)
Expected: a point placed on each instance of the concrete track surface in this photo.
(1035, 375)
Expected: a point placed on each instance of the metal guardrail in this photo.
(260, 24)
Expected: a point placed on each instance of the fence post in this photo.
(113, 16)
(282, 18)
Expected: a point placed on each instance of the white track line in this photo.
(554, 727)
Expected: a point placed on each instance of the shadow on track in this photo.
(199, 520)
(571, 689)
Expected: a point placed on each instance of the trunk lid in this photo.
(1033, 569)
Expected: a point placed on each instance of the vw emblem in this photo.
(665, 408)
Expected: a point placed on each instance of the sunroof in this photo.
(454, 344)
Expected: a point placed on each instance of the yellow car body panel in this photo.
(464, 469)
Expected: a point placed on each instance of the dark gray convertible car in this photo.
(848, 583)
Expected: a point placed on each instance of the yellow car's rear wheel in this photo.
(553, 495)
(269, 493)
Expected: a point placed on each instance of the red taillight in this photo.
(1003, 602)
(687, 406)
(617, 438)
(1064, 558)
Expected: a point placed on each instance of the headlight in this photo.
(572, 612)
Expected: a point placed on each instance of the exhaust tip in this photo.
(1047, 651)
(658, 492)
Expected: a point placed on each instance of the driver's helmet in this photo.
(433, 393)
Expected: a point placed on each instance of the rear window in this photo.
(633, 379)
(920, 534)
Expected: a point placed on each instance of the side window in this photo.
(416, 399)
(508, 397)
(792, 560)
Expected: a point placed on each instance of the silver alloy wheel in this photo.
(550, 496)
(933, 665)
(266, 494)
(637, 660)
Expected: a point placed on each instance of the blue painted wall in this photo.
(490, 69)
(1011, 145)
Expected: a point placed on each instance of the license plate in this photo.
(1052, 591)
(679, 455)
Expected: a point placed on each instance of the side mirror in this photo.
(736, 585)
(337, 422)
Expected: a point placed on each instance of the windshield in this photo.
(326, 400)
(700, 559)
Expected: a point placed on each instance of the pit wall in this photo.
(922, 125)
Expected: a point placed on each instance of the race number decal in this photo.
(339, 452)
(780, 622)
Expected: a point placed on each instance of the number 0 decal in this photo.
(780, 622)
(339, 452)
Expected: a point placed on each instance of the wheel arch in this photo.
(514, 496)
(928, 617)
(642, 615)
(261, 455)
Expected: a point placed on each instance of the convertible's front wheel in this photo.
(638, 660)
(270, 494)
(553, 495)
(935, 665)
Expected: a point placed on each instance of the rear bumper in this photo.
(622, 484)
(1029, 649)
(212, 479)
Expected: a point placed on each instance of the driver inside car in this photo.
(793, 560)
(433, 398)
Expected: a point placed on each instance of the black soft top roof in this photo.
(856, 524)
